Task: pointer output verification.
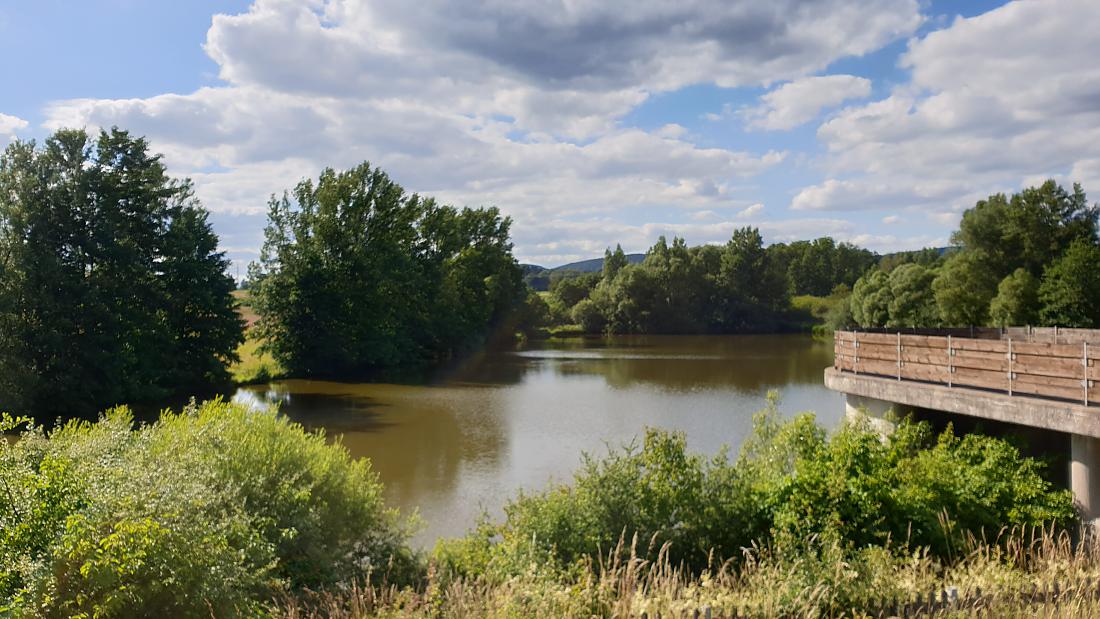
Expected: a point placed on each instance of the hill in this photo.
(538, 277)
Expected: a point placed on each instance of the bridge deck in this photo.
(1023, 368)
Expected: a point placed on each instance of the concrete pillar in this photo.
(882, 415)
(1084, 475)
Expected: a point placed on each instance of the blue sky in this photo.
(589, 122)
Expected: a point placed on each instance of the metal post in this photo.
(855, 364)
(1055, 334)
(1085, 370)
(1009, 366)
(950, 356)
(899, 355)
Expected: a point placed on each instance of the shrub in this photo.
(211, 511)
(791, 483)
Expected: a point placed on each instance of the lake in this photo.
(519, 418)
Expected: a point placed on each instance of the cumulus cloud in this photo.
(9, 126)
(800, 101)
(978, 116)
(514, 104)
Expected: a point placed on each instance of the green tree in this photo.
(1070, 290)
(112, 288)
(613, 262)
(964, 289)
(1029, 230)
(870, 300)
(1017, 300)
(357, 277)
(912, 303)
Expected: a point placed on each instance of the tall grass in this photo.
(1003, 577)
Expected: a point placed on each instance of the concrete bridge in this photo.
(1035, 378)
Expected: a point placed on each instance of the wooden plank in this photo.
(991, 362)
(877, 338)
(929, 373)
(874, 366)
(979, 378)
(1060, 367)
(968, 344)
(1052, 391)
(927, 356)
(929, 341)
(1049, 381)
(879, 351)
(1072, 351)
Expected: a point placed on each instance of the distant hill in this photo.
(538, 277)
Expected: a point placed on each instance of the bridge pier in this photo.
(882, 415)
(1084, 475)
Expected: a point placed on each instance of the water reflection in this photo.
(511, 419)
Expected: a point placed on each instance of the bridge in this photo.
(1045, 378)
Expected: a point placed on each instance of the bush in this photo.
(208, 512)
(791, 483)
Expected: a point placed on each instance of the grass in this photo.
(996, 579)
(255, 366)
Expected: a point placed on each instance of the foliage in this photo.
(208, 512)
(357, 277)
(1006, 244)
(679, 289)
(929, 257)
(791, 482)
(1017, 300)
(112, 288)
(817, 267)
(1070, 291)
(870, 300)
(1028, 230)
(964, 289)
(911, 302)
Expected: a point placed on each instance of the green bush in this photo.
(208, 512)
(791, 483)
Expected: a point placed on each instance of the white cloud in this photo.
(9, 126)
(800, 101)
(750, 211)
(978, 116)
(891, 220)
(513, 104)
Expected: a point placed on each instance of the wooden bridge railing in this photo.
(1026, 366)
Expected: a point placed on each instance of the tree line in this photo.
(741, 286)
(113, 288)
(1032, 258)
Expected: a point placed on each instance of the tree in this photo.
(1029, 230)
(1017, 300)
(1070, 290)
(112, 289)
(870, 301)
(964, 289)
(613, 262)
(356, 277)
(912, 303)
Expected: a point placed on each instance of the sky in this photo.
(589, 122)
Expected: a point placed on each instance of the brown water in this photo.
(517, 419)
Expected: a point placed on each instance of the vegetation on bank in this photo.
(356, 277)
(259, 513)
(1028, 259)
(209, 512)
(740, 287)
(112, 287)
